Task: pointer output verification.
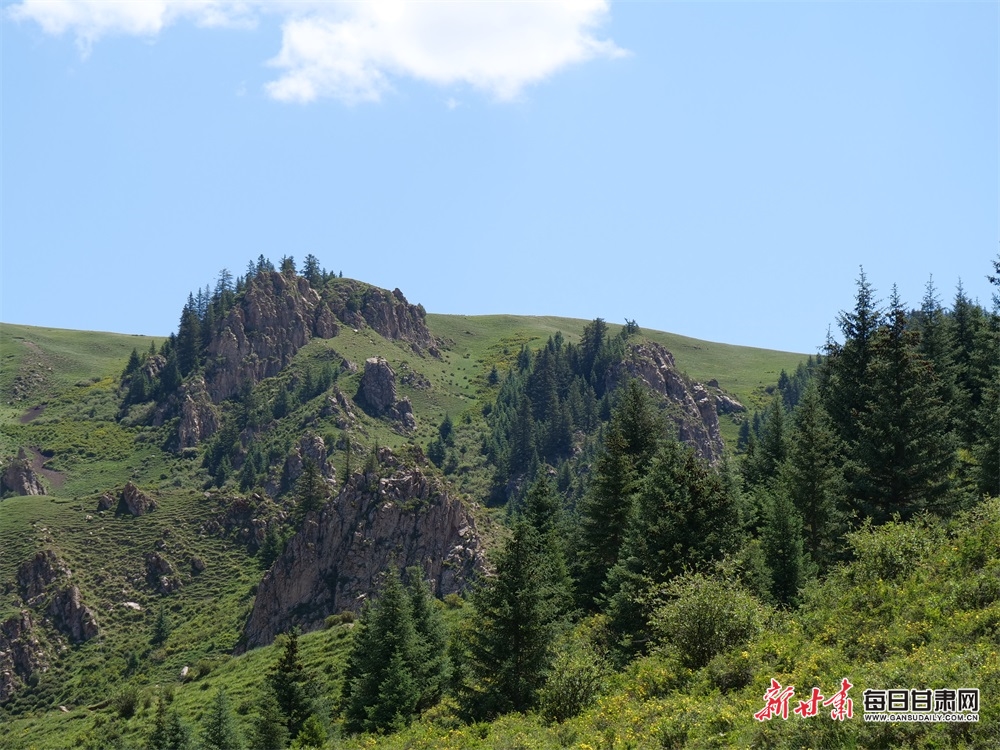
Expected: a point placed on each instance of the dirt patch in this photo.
(32, 414)
(55, 478)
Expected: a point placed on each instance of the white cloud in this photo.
(498, 47)
(89, 20)
(352, 51)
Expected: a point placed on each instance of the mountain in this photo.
(128, 497)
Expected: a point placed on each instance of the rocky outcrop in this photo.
(689, 405)
(199, 417)
(388, 313)
(160, 574)
(134, 501)
(377, 391)
(36, 575)
(245, 520)
(106, 502)
(71, 617)
(277, 316)
(19, 478)
(20, 654)
(377, 394)
(403, 518)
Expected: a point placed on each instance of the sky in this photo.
(721, 170)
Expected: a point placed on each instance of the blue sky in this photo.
(719, 170)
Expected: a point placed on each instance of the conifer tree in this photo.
(683, 518)
(513, 629)
(218, 729)
(811, 476)
(169, 731)
(381, 689)
(903, 453)
(289, 681)
(311, 488)
(432, 666)
(270, 731)
(783, 551)
(629, 446)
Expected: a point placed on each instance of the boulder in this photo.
(71, 617)
(20, 654)
(135, 501)
(106, 502)
(36, 575)
(160, 574)
(19, 478)
(377, 392)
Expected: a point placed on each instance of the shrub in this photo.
(704, 617)
(126, 701)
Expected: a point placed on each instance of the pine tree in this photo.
(169, 731)
(381, 690)
(903, 453)
(629, 446)
(432, 666)
(270, 731)
(683, 518)
(289, 681)
(513, 628)
(218, 729)
(811, 476)
(189, 340)
(161, 627)
(783, 552)
(311, 488)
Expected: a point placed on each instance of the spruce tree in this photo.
(903, 453)
(811, 476)
(290, 683)
(683, 518)
(783, 552)
(381, 689)
(169, 731)
(629, 446)
(311, 488)
(512, 630)
(270, 731)
(432, 666)
(218, 728)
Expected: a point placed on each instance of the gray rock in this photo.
(134, 501)
(36, 575)
(19, 478)
(71, 617)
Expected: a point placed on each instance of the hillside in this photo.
(265, 466)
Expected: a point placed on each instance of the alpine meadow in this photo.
(317, 516)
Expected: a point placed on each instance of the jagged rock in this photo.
(405, 518)
(377, 392)
(387, 313)
(153, 366)
(71, 617)
(20, 654)
(19, 478)
(106, 502)
(135, 501)
(349, 366)
(277, 316)
(245, 520)
(160, 573)
(726, 404)
(199, 418)
(692, 406)
(36, 575)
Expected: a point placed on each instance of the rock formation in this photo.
(71, 617)
(20, 654)
(691, 407)
(36, 575)
(19, 478)
(135, 501)
(388, 313)
(403, 518)
(377, 394)
(277, 316)
(199, 417)
(160, 574)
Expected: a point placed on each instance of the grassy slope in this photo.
(74, 375)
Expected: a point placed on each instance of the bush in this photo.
(705, 617)
(126, 701)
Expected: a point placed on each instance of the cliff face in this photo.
(388, 313)
(692, 408)
(277, 316)
(403, 518)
